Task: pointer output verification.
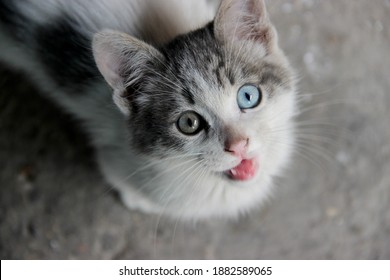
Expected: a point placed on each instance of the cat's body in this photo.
(176, 142)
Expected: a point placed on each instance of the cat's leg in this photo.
(135, 201)
(117, 165)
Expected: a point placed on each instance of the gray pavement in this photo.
(333, 202)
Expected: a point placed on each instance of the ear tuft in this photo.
(245, 20)
(122, 60)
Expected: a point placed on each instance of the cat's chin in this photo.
(246, 170)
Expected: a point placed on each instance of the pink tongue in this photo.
(244, 171)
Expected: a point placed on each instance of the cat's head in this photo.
(214, 106)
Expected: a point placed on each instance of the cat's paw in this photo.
(135, 201)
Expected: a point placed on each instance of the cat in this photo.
(189, 105)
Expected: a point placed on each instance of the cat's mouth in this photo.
(245, 171)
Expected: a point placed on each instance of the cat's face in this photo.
(215, 109)
(213, 102)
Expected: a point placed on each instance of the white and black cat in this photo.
(202, 118)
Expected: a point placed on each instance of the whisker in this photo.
(168, 200)
(327, 104)
(310, 148)
(162, 213)
(194, 173)
(306, 153)
(154, 162)
(321, 138)
(160, 174)
(179, 178)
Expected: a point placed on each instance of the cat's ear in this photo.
(122, 60)
(245, 20)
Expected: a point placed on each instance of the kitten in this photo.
(203, 119)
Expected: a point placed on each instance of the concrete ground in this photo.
(332, 204)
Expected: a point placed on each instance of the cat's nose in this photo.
(238, 148)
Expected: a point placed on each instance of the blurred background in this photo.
(333, 203)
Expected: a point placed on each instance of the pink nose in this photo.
(237, 148)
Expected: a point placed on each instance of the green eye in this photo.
(190, 123)
(248, 97)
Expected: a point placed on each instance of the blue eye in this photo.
(248, 97)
